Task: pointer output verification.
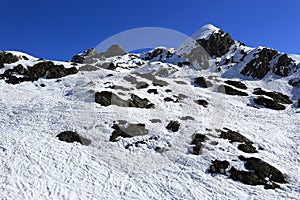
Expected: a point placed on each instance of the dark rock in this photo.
(237, 84)
(181, 82)
(154, 91)
(159, 83)
(245, 177)
(81, 57)
(20, 69)
(168, 90)
(268, 103)
(16, 80)
(127, 130)
(106, 98)
(69, 136)
(7, 58)
(201, 81)
(197, 142)
(231, 91)
(25, 58)
(142, 85)
(173, 126)
(151, 77)
(284, 65)
(218, 166)
(136, 144)
(276, 96)
(49, 70)
(169, 99)
(259, 66)
(201, 102)
(155, 121)
(234, 136)
(295, 82)
(247, 148)
(187, 118)
(138, 102)
(218, 43)
(263, 170)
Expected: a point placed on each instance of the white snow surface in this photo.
(205, 31)
(36, 165)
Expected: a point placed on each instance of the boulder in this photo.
(268, 103)
(138, 102)
(173, 126)
(237, 84)
(197, 142)
(201, 102)
(276, 96)
(231, 91)
(234, 136)
(247, 148)
(201, 81)
(107, 98)
(69, 136)
(219, 166)
(127, 130)
(152, 91)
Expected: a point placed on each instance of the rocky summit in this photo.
(211, 117)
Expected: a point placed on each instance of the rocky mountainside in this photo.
(213, 119)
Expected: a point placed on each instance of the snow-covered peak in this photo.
(205, 31)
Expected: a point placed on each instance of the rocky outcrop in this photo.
(107, 98)
(276, 96)
(79, 58)
(268, 103)
(260, 173)
(234, 136)
(127, 130)
(284, 65)
(218, 43)
(7, 58)
(138, 102)
(259, 66)
(46, 69)
(268, 60)
(237, 84)
(202, 82)
(231, 91)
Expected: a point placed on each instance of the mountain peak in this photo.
(205, 31)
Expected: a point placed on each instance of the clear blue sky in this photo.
(59, 29)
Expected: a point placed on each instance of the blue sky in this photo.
(59, 29)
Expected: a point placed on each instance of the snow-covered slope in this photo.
(151, 124)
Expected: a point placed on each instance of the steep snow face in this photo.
(156, 125)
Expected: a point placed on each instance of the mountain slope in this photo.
(158, 125)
